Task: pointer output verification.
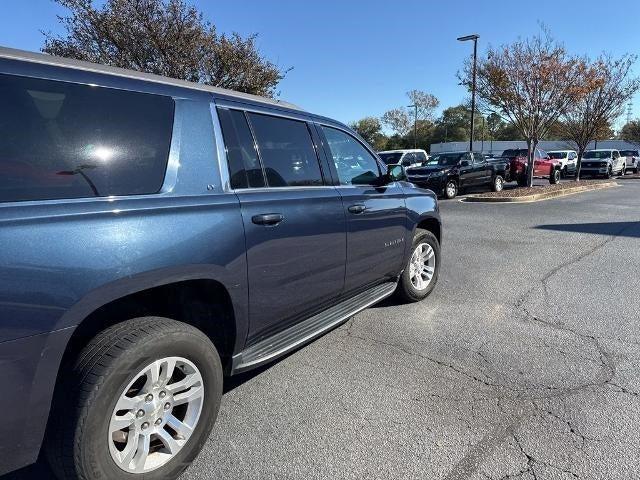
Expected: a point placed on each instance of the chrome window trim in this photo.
(173, 161)
(221, 150)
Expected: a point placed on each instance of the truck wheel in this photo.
(522, 181)
(497, 185)
(421, 270)
(609, 173)
(451, 189)
(554, 177)
(139, 401)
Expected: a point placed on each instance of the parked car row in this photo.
(448, 173)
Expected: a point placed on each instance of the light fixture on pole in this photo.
(415, 125)
(467, 38)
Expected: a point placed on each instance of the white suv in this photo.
(568, 160)
(632, 160)
(407, 157)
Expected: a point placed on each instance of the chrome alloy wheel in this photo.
(156, 415)
(422, 266)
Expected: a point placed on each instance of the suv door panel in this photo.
(295, 235)
(298, 263)
(376, 214)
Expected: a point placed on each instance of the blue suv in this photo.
(158, 235)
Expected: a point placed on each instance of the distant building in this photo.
(497, 147)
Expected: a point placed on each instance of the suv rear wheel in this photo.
(421, 271)
(140, 400)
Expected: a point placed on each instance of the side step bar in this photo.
(305, 331)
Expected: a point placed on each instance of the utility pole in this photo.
(466, 38)
(415, 125)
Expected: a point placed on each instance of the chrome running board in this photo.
(301, 333)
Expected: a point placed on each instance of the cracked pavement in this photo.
(522, 364)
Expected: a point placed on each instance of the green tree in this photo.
(631, 131)
(368, 128)
(169, 38)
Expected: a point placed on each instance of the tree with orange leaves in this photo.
(532, 83)
(609, 85)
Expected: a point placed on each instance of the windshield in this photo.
(515, 152)
(445, 159)
(629, 153)
(391, 158)
(597, 154)
(558, 155)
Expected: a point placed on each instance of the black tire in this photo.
(609, 173)
(622, 173)
(450, 189)
(497, 184)
(406, 291)
(554, 177)
(77, 445)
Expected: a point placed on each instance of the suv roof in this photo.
(34, 57)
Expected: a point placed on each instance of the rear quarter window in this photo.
(61, 140)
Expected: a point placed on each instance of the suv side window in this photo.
(286, 150)
(64, 140)
(354, 163)
(478, 158)
(420, 157)
(244, 166)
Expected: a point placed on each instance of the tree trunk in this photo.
(579, 163)
(531, 158)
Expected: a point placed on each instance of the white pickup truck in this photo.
(568, 161)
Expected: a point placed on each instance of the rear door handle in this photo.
(357, 208)
(267, 219)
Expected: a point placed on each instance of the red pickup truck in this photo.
(544, 165)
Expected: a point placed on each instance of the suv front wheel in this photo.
(139, 401)
(421, 271)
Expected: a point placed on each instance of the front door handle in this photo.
(357, 208)
(267, 219)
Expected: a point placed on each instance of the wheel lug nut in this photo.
(167, 406)
(149, 398)
(158, 421)
(163, 394)
(140, 413)
(145, 425)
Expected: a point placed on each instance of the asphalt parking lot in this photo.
(523, 363)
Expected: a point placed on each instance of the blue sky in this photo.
(352, 59)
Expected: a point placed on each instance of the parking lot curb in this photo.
(540, 196)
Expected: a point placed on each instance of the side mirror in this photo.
(464, 163)
(395, 173)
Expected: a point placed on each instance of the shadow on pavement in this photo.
(619, 229)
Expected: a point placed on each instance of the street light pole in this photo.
(415, 125)
(466, 38)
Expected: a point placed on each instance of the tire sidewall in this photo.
(409, 291)
(92, 431)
